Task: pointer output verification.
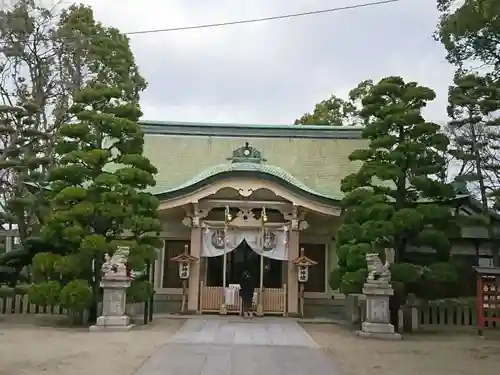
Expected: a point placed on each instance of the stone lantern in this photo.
(302, 263)
(184, 262)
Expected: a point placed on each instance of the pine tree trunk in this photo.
(484, 198)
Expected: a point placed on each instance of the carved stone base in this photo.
(96, 328)
(384, 331)
(378, 335)
(370, 327)
(112, 323)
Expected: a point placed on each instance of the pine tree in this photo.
(396, 199)
(99, 197)
(474, 102)
(22, 159)
(21, 163)
(46, 57)
(99, 183)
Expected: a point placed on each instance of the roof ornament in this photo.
(247, 154)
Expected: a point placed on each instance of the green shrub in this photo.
(352, 282)
(444, 272)
(139, 291)
(405, 273)
(7, 292)
(76, 296)
(44, 266)
(335, 278)
(46, 293)
(66, 266)
(440, 280)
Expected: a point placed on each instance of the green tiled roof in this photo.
(249, 160)
(312, 158)
(263, 168)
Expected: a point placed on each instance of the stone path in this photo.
(208, 347)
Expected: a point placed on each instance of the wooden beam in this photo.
(219, 203)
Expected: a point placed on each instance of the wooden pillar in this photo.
(292, 282)
(194, 275)
(159, 264)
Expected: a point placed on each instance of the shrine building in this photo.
(257, 198)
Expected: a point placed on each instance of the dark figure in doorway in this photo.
(246, 293)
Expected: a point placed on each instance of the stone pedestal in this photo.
(113, 305)
(377, 322)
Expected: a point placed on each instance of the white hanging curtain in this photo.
(214, 242)
(274, 245)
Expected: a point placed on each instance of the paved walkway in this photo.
(210, 347)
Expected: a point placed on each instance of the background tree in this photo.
(46, 56)
(25, 73)
(395, 199)
(21, 162)
(337, 111)
(333, 111)
(474, 102)
(470, 32)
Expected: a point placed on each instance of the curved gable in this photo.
(247, 162)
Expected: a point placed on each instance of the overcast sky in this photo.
(272, 72)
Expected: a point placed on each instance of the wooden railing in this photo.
(274, 300)
(212, 297)
(447, 314)
(432, 313)
(19, 304)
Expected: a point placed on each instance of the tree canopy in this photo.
(336, 111)
(21, 161)
(395, 200)
(99, 180)
(46, 57)
(470, 32)
(474, 102)
(99, 199)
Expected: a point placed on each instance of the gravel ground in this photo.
(444, 353)
(39, 345)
